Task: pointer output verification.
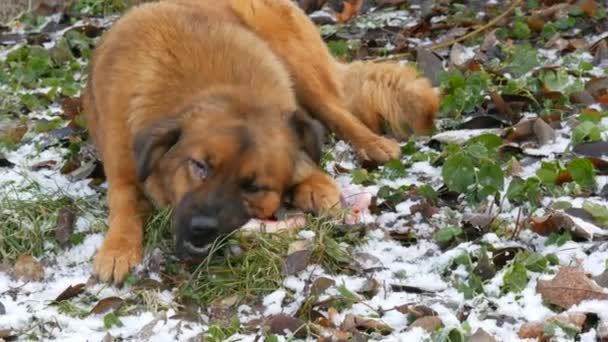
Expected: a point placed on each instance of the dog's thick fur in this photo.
(228, 81)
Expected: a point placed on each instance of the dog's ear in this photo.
(152, 142)
(310, 133)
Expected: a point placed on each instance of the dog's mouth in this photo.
(199, 250)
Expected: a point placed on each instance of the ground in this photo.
(492, 229)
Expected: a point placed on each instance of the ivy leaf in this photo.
(393, 169)
(516, 278)
(524, 59)
(490, 174)
(548, 173)
(536, 262)
(558, 239)
(598, 211)
(586, 131)
(582, 172)
(446, 235)
(111, 320)
(458, 172)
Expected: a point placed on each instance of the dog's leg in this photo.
(294, 38)
(314, 190)
(122, 248)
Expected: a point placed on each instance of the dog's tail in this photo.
(390, 98)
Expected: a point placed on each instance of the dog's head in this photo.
(219, 165)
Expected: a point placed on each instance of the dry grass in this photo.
(10, 8)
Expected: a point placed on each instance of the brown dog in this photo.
(200, 105)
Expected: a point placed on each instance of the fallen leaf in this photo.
(430, 64)
(583, 97)
(484, 121)
(70, 292)
(65, 226)
(29, 269)
(569, 287)
(590, 7)
(283, 324)
(5, 162)
(481, 335)
(363, 262)
(503, 107)
(602, 279)
(537, 329)
(147, 331)
(350, 9)
(369, 288)
(597, 149)
(46, 164)
(428, 323)
(352, 323)
(48, 7)
(8, 335)
(425, 208)
(12, 132)
(2, 309)
(321, 284)
(458, 56)
(298, 256)
(416, 311)
(107, 338)
(545, 134)
(597, 86)
(502, 256)
(107, 304)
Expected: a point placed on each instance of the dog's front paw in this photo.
(116, 257)
(379, 149)
(318, 193)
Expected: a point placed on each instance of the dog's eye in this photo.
(200, 169)
(251, 187)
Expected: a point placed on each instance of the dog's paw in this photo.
(116, 257)
(318, 193)
(379, 149)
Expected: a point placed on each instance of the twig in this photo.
(480, 29)
(516, 224)
(491, 23)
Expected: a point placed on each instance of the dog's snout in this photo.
(204, 223)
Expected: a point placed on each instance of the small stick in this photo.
(491, 23)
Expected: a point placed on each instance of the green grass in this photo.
(28, 226)
(258, 269)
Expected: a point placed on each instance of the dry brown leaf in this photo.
(351, 323)
(481, 335)
(12, 132)
(602, 279)
(29, 269)
(65, 226)
(321, 284)
(71, 292)
(107, 304)
(545, 134)
(428, 323)
(298, 256)
(425, 208)
(536, 329)
(430, 64)
(350, 9)
(590, 7)
(569, 287)
(283, 324)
